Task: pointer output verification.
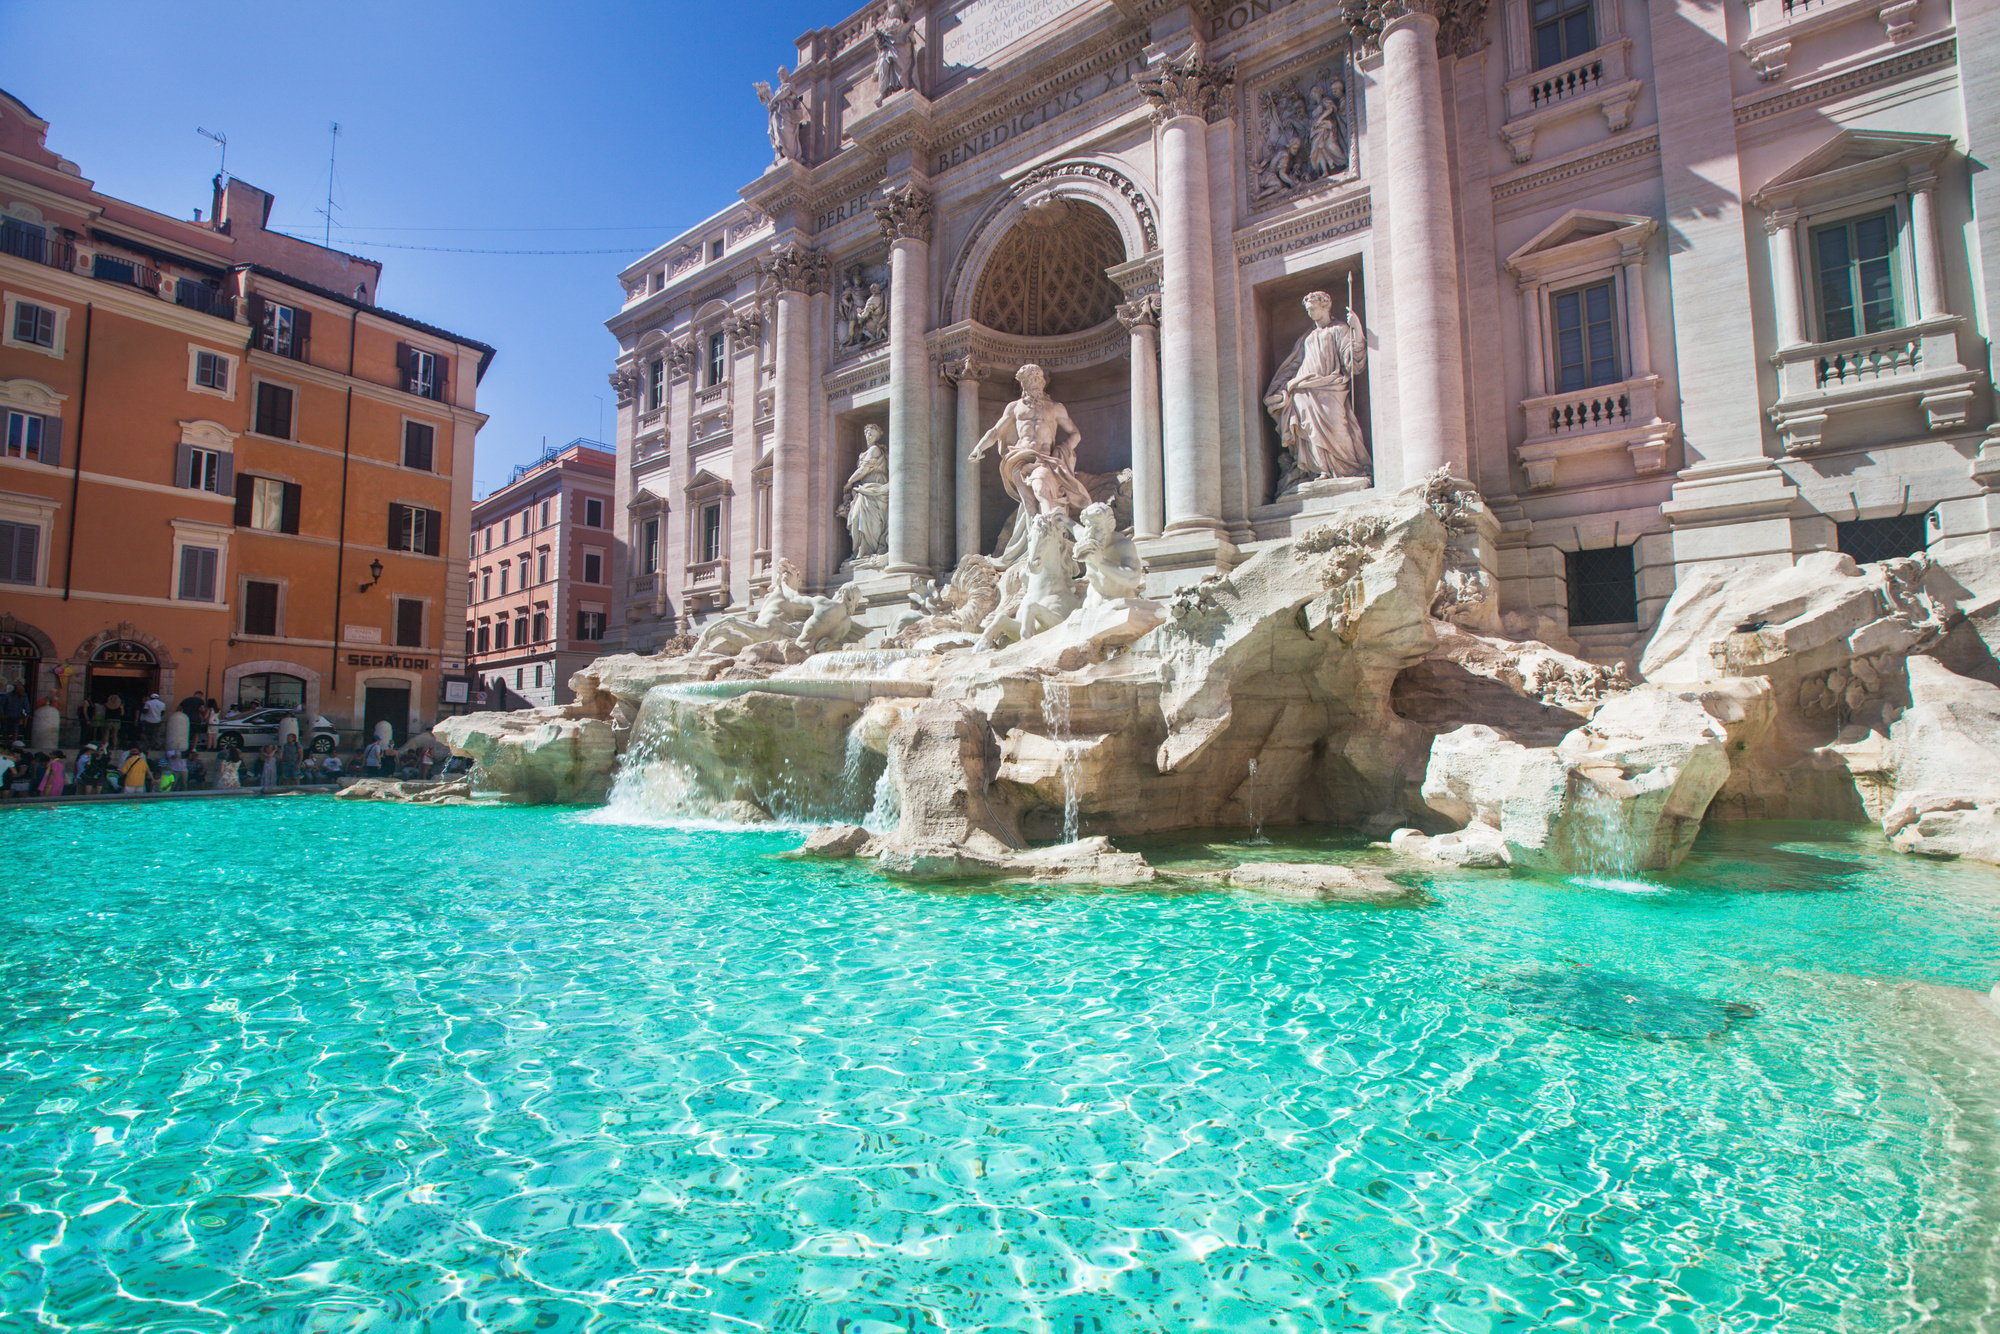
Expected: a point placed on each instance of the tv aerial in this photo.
(221, 140)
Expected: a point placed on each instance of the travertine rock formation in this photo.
(539, 755)
(1945, 755)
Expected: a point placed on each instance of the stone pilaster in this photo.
(905, 217)
(1186, 92)
(797, 271)
(1142, 319)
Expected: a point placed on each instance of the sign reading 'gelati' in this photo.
(979, 28)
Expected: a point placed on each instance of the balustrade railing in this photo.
(1590, 410)
(1563, 84)
(1850, 364)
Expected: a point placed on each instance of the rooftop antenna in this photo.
(220, 140)
(332, 148)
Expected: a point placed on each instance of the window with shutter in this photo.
(267, 504)
(593, 568)
(260, 607)
(294, 497)
(274, 410)
(419, 440)
(198, 567)
(19, 545)
(34, 325)
(205, 471)
(25, 433)
(409, 622)
(211, 371)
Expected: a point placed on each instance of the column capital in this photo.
(958, 367)
(1189, 84)
(1461, 29)
(625, 383)
(904, 213)
(1144, 311)
(1780, 220)
(795, 267)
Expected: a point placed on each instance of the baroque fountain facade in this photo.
(1104, 418)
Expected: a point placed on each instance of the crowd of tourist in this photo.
(125, 752)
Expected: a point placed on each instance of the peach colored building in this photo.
(227, 467)
(538, 587)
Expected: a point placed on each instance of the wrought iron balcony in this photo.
(37, 248)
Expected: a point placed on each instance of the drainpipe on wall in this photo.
(340, 549)
(76, 463)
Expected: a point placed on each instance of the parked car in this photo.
(254, 729)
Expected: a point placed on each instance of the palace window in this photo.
(419, 446)
(1585, 321)
(542, 566)
(274, 410)
(1603, 586)
(1869, 540)
(710, 541)
(656, 384)
(590, 625)
(486, 583)
(593, 568)
(649, 547)
(20, 544)
(521, 630)
(260, 607)
(211, 371)
(548, 508)
(485, 637)
(506, 569)
(1561, 29)
(593, 513)
(34, 325)
(718, 358)
(500, 634)
(541, 629)
(1855, 269)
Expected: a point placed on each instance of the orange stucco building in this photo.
(225, 466)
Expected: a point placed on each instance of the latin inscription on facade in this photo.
(980, 28)
(846, 209)
(1239, 16)
(1069, 99)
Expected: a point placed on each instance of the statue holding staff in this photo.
(1312, 396)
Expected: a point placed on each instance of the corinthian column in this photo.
(1186, 92)
(1423, 259)
(798, 271)
(1142, 319)
(905, 216)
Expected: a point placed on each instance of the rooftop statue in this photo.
(895, 52)
(866, 508)
(1312, 395)
(785, 107)
(1037, 443)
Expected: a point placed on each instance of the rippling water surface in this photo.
(292, 1065)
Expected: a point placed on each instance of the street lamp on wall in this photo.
(374, 576)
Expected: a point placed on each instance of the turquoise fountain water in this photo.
(293, 1065)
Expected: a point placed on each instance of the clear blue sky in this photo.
(630, 118)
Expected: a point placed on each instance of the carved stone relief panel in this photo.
(1299, 127)
(860, 307)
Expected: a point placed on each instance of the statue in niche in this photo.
(895, 52)
(866, 508)
(863, 311)
(1037, 443)
(781, 615)
(1110, 559)
(1312, 395)
(785, 108)
(1305, 134)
